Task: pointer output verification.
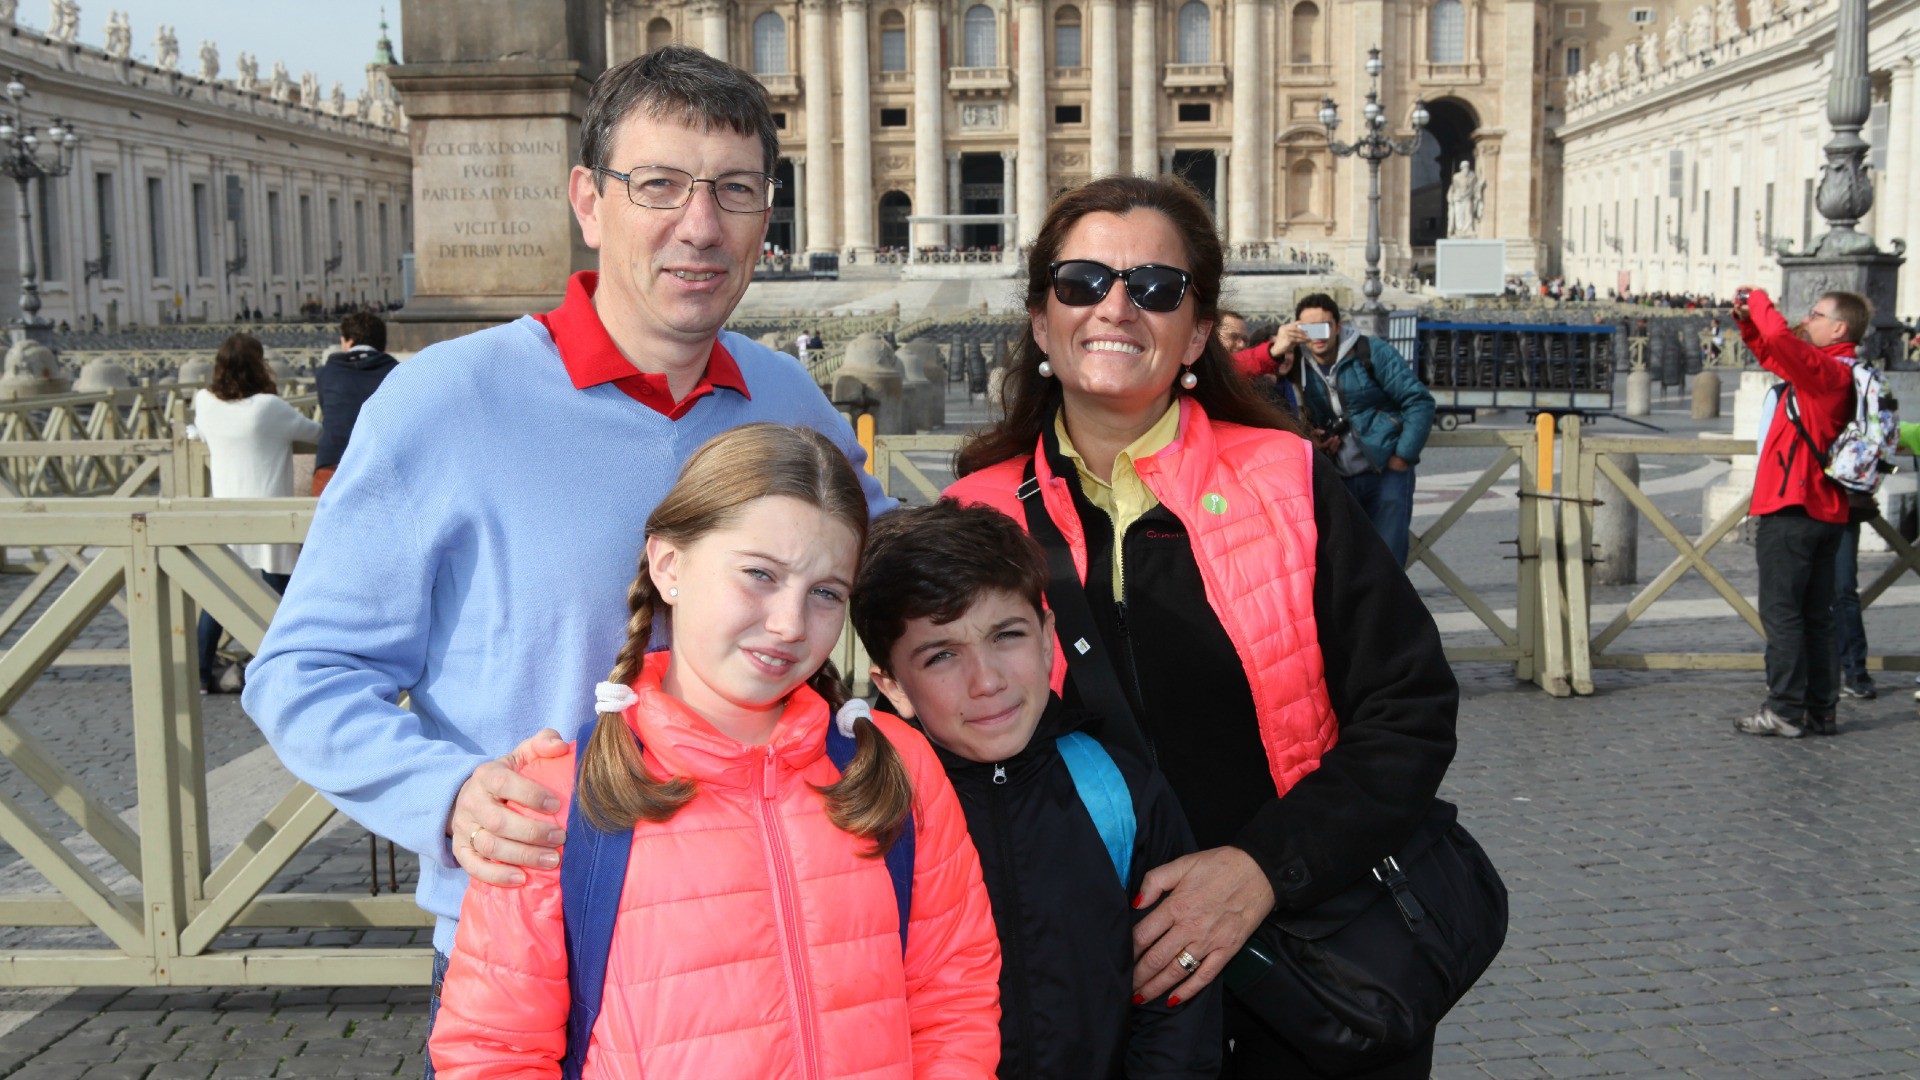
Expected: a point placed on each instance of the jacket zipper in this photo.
(1126, 654)
(786, 906)
(1013, 944)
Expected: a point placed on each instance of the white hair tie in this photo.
(855, 709)
(613, 697)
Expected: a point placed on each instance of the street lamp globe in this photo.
(15, 88)
(1329, 115)
(1374, 66)
(1420, 115)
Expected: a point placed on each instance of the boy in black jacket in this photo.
(949, 606)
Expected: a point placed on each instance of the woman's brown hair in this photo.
(240, 369)
(874, 795)
(1028, 400)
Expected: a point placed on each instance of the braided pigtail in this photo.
(874, 795)
(616, 790)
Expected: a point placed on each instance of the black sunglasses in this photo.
(1151, 287)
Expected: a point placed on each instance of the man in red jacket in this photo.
(1800, 513)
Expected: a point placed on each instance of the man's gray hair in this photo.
(678, 83)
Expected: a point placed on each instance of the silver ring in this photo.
(477, 829)
(1186, 960)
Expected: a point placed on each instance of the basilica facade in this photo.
(941, 124)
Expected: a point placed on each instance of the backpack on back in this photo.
(1861, 456)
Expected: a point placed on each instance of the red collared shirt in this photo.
(592, 358)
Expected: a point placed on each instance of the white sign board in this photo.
(1470, 267)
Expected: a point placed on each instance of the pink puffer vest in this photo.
(1246, 497)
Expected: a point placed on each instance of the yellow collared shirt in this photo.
(1125, 498)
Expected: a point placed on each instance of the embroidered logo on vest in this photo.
(1214, 503)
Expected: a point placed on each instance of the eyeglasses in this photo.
(1827, 315)
(1151, 287)
(658, 187)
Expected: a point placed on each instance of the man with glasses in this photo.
(1800, 514)
(474, 549)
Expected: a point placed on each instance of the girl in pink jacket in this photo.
(758, 932)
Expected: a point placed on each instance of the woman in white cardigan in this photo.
(250, 432)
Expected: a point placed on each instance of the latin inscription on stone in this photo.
(492, 203)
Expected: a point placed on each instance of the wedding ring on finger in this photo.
(474, 836)
(1186, 961)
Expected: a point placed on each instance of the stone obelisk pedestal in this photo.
(495, 90)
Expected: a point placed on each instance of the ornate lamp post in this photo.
(1845, 258)
(1373, 147)
(26, 156)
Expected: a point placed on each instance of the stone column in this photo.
(1902, 164)
(799, 206)
(1103, 158)
(929, 102)
(1032, 119)
(1146, 89)
(817, 81)
(713, 28)
(856, 129)
(1510, 191)
(1010, 173)
(483, 257)
(1222, 208)
(1243, 214)
(953, 195)
(1166, 162)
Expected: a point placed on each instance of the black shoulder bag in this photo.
(1365, 976)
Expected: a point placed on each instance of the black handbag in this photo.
(1366, 975)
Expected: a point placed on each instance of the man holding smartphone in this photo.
(1367, 409)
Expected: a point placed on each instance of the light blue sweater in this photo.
(475, 550)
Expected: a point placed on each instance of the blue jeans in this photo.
(210, 631)
(1849, 631)
(1387, 498)
(440, 961)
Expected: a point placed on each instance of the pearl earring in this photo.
(1046, 369)
(1189, 380)
(673, 592)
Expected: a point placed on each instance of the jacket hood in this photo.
(368, 359)
(1348, 336)
(685, 744)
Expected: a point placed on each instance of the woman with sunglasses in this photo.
(1275, 659)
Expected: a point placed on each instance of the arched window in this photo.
(1447, 34)
(893, 41)
(1066, 37)
(1305, 29)
(1195, 34)
(895, 207)
(659, 33)
(981, 48)
(1301, 180)
(770, 44)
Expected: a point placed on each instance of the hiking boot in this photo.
(1858, 685)
(1767, 722)
(1820, 724)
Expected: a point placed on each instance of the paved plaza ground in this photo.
(1685, 901)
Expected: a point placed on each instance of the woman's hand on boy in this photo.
(490, 835)
(1214, 900)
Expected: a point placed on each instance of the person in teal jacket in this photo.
(1368, 411)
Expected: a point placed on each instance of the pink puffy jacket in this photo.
(754, 940)
(1246, 497)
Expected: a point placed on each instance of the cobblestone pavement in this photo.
(1686, 901)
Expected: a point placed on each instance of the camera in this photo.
(1317, 331)
(1740, 297)
(1336, 427)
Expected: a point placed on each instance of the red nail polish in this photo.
(1139, 1000)
(1172, 1001)
(1138, 899)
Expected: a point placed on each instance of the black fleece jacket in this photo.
(345, 382)
(1066, 923)
(1389, 683)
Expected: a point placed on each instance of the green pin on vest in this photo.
(1214, 503)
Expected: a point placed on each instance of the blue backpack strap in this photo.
(899, 857)
(592, 876)
(1104, 792)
